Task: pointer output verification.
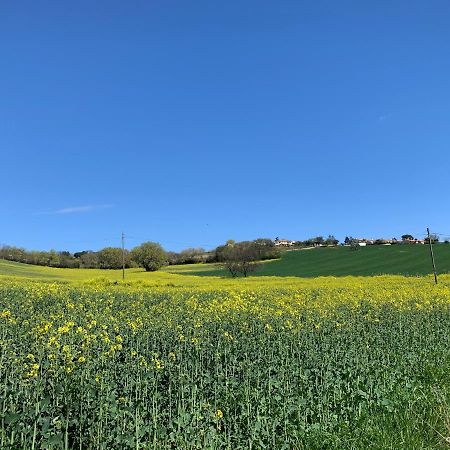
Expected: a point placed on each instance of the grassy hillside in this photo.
(162, 278)
(342, 261)
(339, 261)
(13, 269)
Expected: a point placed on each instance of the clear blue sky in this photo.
(190, 123)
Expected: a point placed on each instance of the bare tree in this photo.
(241, 258)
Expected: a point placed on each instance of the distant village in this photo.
(349, 241)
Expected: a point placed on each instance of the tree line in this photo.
(317, 240)
(238, 258)
(149, 255)
(106, 258)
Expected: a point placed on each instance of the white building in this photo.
(284, 243)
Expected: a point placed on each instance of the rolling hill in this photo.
(410, 260)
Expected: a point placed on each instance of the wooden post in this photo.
(432, 257)
(123, 257)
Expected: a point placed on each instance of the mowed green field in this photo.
(372, 260)
(409, 260)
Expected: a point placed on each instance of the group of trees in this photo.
(242, 258)
(318, 240)
(51, 258)
(149, 255)
(190, 256)
(434, 238)
(405, 239)
(261, 249)
(239, 258)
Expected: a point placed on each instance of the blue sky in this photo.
(190, 123)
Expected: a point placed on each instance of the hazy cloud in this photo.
(78, 209)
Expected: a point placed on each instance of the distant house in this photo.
(363, 242)
(284, 242)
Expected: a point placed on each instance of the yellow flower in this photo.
(219, 414)
(143, 362)
(228, 336)
(33, 373)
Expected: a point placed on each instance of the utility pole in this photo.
(432, 257)
(123, 257)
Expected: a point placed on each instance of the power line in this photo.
(188, 244)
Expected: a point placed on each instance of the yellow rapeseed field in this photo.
(267, 363)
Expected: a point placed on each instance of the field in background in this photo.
(407, 260)
(410, 260)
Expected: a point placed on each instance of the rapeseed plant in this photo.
(303, 364)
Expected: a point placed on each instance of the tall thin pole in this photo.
(123, 257)
(432, 256)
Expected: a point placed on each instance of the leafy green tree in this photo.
(191, 255)
(331, 240)
(173, 258)
(266, 249)
(89, 260)
(318, 240)
(80, 254)
(219, 253)
(149, 255)
(67, 260)
(111, 258)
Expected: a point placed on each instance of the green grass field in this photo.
(342, 261)
(338, 261)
